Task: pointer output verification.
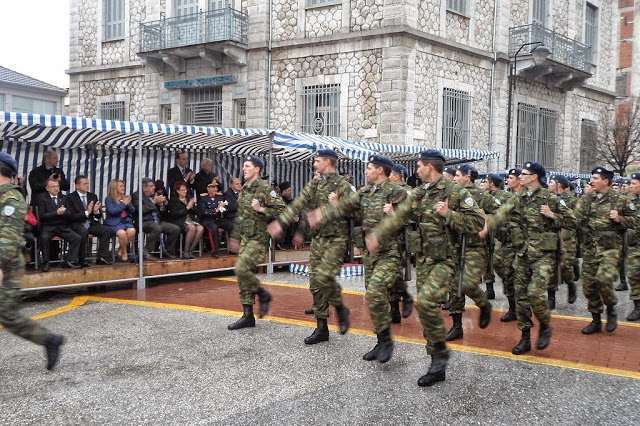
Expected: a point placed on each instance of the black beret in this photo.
(572, 186)
(495, 178)
(255, 160)
(536, 168)
(561, 180)
(431, 154)
(327, 153)
(284, 185)
(607, 174)
(8, 160)
(450, 170)
(469, 170)
(635, 175)
(401, 170)
(381, 160)
(515, 172)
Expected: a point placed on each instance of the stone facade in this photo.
(285, 19)
(323, 21)
(366, 14)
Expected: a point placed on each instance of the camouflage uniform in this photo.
(569, 246)
(399, 286)
(504, 253)
(633, 260)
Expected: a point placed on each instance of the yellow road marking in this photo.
(76, 302)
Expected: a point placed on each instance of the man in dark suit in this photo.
(204, 177)
(231, 197)
(53, 220)
(153, 206)
(85, 220)
(180, 173)
(39, 176)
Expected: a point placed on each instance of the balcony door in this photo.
(184, 28)
(541, 12)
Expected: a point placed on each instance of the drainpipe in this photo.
(493, 78)
(268, 125)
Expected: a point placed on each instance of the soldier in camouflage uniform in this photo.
(372, 202)
(328, 246)
(257, 204)
(442, 211)
(603, 215)
(540, 215)
(13, 210)
(475, 263)
(559, 185)
(398, 289)
(633, 259)
(493, 184)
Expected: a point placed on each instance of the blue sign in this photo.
(215, 80)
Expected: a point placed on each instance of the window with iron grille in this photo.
(458, 6)
(591, 29)
(111, 110)
(456, 128)
(588, 143)
(321, 110)
(166, 114)
(536, 138)
(320, 3)
(113, 20)
(203, 107)
(240, 114)
(541, 12)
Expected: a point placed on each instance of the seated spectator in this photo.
(55, 222)
(30, 223)
(204, 177)
(153, 206)
(212, 208)
(119, 218)
(39, 176)
(182, 212)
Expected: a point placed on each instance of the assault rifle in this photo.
(463, 258)
(407, 255)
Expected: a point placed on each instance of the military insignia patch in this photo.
(408, 192)
(353, 188)
(9, 210)
(273, 194)
(632, 206)
(498, 202)
(563, 203)
(469, 201)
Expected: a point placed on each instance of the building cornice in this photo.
(601, 91)
(104, 68)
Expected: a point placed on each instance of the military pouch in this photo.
(437, 248)
(357, 235)
(584, 234)
(502, 234)
(248, 228)
(608, 240)
(548, 241)
(415, 242)
(517, 237)
(632, 237)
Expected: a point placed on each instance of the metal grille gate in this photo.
(203, 107)
(536, 136)
(456, 127)
(321, 110)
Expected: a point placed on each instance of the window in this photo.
(621, 85)
(185, 7)
(220, 4)
(591, 29)
(321, 3)
(541, 12)
(458, 6)
(588, 142)
(321, 110)
(536, 136)
(111, 110)
(455, 119)
(240, 114)
(203, 107)
(113, 20)
(166, 114)
(34, 106)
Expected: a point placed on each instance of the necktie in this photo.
(55, 201)
(184, 174)
(84, 201)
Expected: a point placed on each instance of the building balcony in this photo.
(568, 66)
(206, 34)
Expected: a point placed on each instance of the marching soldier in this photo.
(494, 184)
(328, 246)
(257, 204)
(13, 210)
(634, 249)
(442, 211)
(603, 215)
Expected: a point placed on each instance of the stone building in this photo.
(422, 72)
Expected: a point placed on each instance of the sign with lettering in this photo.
(215, 80)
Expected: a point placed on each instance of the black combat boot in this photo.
(407, 304)
(524, 345)
(395, 312)
(511, 313)
(544, 337)
(595, 326)
(52, 345)
(385, 346)
(490, 293)
(612, 318)
(320, 334)
(456, 331)
(265, 298)
(623, 284)
(635, 314)
(551, 299)
(308, 311)
(373, 353)
(571, 298)
(343, 318)
(247, 319)
(436, 372)
(576, 272)
(485, 315)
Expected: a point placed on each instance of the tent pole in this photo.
(141, 280)
(272, 252)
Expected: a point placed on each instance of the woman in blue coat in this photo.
(119, 217)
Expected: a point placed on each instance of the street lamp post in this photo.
(539, 54)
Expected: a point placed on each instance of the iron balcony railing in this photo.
(563, 49)
(205, 27)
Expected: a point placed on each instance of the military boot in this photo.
(490, 292)
(320, 334)
(571, 298)
(265, 298)
(576, 272)
(635, 314)
(52, 345)
(436, 372)
(407, 304)
(623, 284)
(385, 346)
(485, 315)
(524, 345)
(343, 318)
(612, 318)
(247, 319)
(308, 311)
(595, 326)
(395, 312)
(544, 337)
(551, 299)
(456, 331)
(511, 313)
(373, 353)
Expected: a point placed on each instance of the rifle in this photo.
(625, 252)
(350, 253)
(463, 258)
(407, 255)
(492, 248)
(559, 253)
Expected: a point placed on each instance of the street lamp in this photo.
(539, 54)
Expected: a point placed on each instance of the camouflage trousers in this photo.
(325, 262)
(379, 272)
(633, 271)
(488, 277)
(12, 265)
(532, 277)
(504, 256)
(432, 283)
(250, 255)
(568, 261)
(599, 272)
(399, 286)
(474, 266)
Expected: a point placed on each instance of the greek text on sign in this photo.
(200, 82)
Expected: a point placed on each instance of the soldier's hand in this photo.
(234, 245)
(296, 219)
(275, 229)
(483, 234)
(333, 198)
(1, 278)
(315, 218)
(442, 208)
(372, 243)
(255, 203)
(387, 208)
(546, 211)
(613, 215)
(297, 240)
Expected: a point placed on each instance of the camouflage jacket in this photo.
(633, 236)
(570, 200)
(535, 234)
(488, 204)
(13, 209)
(316, 195)
(437, 237)
(503, 232)
(250, 224)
